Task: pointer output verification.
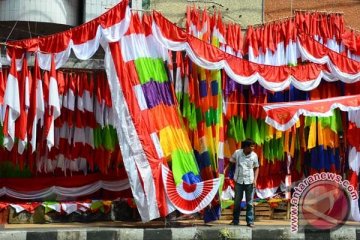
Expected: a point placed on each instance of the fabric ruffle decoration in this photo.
(189, 198)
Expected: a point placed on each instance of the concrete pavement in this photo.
(159, 230)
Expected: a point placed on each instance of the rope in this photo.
(11, 31)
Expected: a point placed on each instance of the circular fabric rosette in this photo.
(189, 198)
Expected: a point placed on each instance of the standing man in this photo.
(245, 177)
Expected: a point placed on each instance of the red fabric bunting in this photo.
(59, 42)
(284, 115)
(38, 183)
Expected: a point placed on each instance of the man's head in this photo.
(248, 146)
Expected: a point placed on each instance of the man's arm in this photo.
(256, 170)
(256, 173)
(232, 161)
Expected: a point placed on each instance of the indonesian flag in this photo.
(354, 160)
(80, 123)
(52, 111)
(37, 108)
(271, 178)
(2, 93)
(11, 106)
(218, 33)
(21, 122)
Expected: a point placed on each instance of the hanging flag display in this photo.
(172, 106)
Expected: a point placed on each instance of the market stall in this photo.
(164, 116)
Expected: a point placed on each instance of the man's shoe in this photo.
(234, 223)
(250, 225)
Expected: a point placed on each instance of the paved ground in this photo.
(152, 224)
(159, 230)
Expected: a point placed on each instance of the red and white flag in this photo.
(2, 94)
(52, 111)
(21, 122)
(11, 106)
(37, 107)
